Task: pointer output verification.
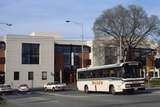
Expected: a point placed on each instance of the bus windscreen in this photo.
(131, 72)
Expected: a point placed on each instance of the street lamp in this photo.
(120, 49)
(82, 35)
(8, 24)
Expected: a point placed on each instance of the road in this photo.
(78, 99)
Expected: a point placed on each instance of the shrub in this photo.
(155, 82)
(2, 101)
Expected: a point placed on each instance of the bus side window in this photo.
(98, 73)
(118, 72)
(112, 73)
(105, 73)
(81, 75)
(101, 74)
(89, 74)
(94, 74)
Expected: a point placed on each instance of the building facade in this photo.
(28, 60)
(2, 61)
(109, 53)
(38, 58)
(68, 57)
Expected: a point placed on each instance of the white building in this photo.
(30, 59)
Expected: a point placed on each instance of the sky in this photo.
(50, 15)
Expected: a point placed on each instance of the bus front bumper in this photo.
(134, 89)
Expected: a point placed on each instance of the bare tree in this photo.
(131, 24)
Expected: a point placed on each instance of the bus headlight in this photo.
(127, 85)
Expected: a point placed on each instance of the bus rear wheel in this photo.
(112, 90)
(86, 89)
(53, 89)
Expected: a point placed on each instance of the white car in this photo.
(5, 88)
(23, 88)
(54, 86)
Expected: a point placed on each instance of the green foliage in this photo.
(2, 101)
(155, 82)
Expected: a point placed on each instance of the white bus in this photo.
(111, 78)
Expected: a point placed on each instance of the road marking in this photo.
(78, 95)
(44, 101)
(82, 95)
(62, 95)
(34, 100)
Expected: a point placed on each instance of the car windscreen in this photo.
(24, 85)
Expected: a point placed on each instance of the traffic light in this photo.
(157, 63)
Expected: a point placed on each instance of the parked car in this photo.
(54, 86)
(23, 88)
(5, 88)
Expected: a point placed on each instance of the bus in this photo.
(111, 78)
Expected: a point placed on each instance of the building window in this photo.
(2, 60)
(2, 77)
(2, 45)
(16, 75)
(88, 62)
(77, 60)
(30, 53)
(58, 48)
(67, 59)
(67, 49)
(44, 75)
(86, 49)
(77, 49)
(110, 55)
(30, 75)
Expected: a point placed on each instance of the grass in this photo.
(2, 101)
(153, 82)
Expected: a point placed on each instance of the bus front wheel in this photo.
(86, 89)
(112, 90)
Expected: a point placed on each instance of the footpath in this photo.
(155, 90)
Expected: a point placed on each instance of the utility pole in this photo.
(120, 49)
(60, 74)
(82, 38)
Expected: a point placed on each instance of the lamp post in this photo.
(8, 24)
(82, 36)
(120, 49)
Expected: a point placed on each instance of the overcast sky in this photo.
(50, 15)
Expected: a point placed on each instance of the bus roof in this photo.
(107, 66)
